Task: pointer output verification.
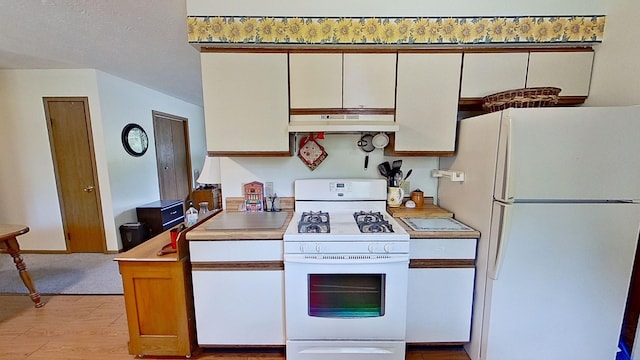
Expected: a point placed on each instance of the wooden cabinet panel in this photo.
(315, 80)
(246, 102)
(157, 293)
(427, 102)
(369, 81)
(569, 71)
(488, 73)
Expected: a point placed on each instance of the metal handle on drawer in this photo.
(173, 212)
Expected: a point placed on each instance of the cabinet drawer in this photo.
(442, 249)
(236, 250)
(172, 213)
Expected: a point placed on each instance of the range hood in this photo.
(342, 123)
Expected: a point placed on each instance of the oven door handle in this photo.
(345, 259)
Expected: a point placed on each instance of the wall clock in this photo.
(134, 139)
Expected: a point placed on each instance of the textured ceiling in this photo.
(143, 41)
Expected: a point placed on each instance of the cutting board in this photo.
(247, 221)
(427, 210)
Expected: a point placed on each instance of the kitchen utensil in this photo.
(406, 177)
(380, 140)
(383, 170)
(397, 164)
(366, 144)
(397, 177)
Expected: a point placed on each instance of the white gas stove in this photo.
(346, 266)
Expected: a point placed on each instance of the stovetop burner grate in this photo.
(372, 222)
(314, 222)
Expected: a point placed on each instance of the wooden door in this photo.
(172, 156)
(71, 142)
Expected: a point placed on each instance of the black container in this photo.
(134, 234)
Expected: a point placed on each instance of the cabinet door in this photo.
(569, 71)
(369, 81)
(439, 305)
(427, 101)
(239, 307)
(488, 73)
(246, 103)
(158, 320)
(315, 80)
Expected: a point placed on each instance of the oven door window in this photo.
(346, 295)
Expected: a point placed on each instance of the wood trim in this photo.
(441, 263)
(421, 344)
(238, 266)
(548, 48)
(387, 48)
(250, 153)
(341, 111)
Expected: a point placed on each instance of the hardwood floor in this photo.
(94, 327)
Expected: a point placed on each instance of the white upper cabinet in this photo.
(315, 80)
(488, 73)
(369, 81)
(427, 101)
(342, 81)
(569, 71)
(246, 103)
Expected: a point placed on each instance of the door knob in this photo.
(88, 189)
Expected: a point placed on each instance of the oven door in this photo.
(346, 299)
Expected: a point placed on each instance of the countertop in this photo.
(201, 233)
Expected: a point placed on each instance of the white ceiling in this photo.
(143, 41)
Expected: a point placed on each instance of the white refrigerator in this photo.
(555, 194)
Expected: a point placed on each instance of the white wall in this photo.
(27, 180)
(394, 8)
(133, 181)
(616, 69)
(344, 160)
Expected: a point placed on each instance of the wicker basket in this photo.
(521, 98)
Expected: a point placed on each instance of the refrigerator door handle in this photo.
(506, 172)
(503, 227)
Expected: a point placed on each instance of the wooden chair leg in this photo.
(14, 250)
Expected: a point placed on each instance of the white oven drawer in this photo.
(236, 250)
(442, 248)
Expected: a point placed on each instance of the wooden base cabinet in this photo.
(158, 300)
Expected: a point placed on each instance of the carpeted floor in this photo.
(81, 273)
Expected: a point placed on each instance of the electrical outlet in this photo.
(406, 186)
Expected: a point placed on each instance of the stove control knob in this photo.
(318, 248)
(387, 248)
(302, 248)
(371, 248)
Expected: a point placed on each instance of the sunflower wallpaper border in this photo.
(247, 30)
